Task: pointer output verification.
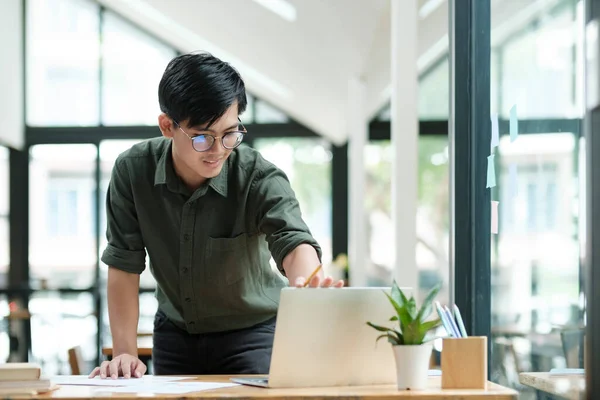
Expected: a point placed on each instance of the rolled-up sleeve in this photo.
(125, 249)
(278, 214)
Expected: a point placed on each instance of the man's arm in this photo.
(278, 216)
(125, 254)
(123, 310)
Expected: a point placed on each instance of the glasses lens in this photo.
(202, 142)
(232, 140)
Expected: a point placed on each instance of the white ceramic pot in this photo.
(412, 366)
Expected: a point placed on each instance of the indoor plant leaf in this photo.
(402, 312)
(427, 306)
(378, 327)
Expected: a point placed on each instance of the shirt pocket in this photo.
(227, 261)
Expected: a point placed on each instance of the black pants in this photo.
(244, 351)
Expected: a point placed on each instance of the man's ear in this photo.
(166, 125)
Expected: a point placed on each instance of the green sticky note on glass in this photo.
(491, 173)
(514, 124)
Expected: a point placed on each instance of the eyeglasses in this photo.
(205, 141)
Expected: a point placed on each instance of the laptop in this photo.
(322, 339)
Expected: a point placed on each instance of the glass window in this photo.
(248, 116)
(536, 254)
(434, 92)
(109, 151)
(432, 214)
(266, 113)
(539, 60)
(62, 62)
(4, 191)
(535, 260)
(65, 321)
(4, 329)
(307, 164)
(132, 66)
(61, 215)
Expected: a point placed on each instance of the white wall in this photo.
(12, 130)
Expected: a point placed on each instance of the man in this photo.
(209, 214)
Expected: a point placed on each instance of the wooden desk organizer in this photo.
(464, 363)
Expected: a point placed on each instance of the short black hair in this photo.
(199, 88)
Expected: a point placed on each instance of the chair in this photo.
(573, 347)
(75, 360)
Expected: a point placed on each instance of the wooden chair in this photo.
(75, 360)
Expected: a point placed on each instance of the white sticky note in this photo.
(491, 173)
(514, 124)
(495, 131)
(495, 217)
(513, 184)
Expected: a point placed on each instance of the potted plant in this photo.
(409, 339)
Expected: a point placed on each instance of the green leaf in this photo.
(427, 306)
(394, 318)
(397, 294)
(411, 307)
(412, 333)
(378, 327)
(402, 312)
(430, 325)
(393, 337)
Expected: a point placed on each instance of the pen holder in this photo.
(464, 363)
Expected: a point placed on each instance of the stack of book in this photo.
(22, 378)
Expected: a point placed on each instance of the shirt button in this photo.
(188, 299)
(185, 270)
(187, 237)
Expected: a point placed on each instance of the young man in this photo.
(209, 214)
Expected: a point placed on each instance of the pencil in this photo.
(312, 275)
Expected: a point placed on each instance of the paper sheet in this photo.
(514, 124)
(495, 131)
(170, 387)
(83, 380)
(495, 217)
(491, 173)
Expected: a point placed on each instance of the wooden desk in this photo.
(570, 387)
(434, 392)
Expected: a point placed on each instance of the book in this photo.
(37, 385)
(19, 372)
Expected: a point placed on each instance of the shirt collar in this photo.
(165, 174)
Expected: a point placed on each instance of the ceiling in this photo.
(301, 66)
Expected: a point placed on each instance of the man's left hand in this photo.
(316, 281)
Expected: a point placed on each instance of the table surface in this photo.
(566, 386)
(434, 392)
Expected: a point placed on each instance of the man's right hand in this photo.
(124, 365)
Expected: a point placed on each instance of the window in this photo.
(434, 92)
(132, 65)
(267, 114)
(61, 215)
(307, 164)
(4, 191)
(540, 61)
(62, 63)
(432, 214)
(65, 321)
(536, 254)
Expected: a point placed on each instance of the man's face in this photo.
(205, 164)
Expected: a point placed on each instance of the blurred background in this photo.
(90, 71)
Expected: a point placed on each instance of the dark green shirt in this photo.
(208, 250)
